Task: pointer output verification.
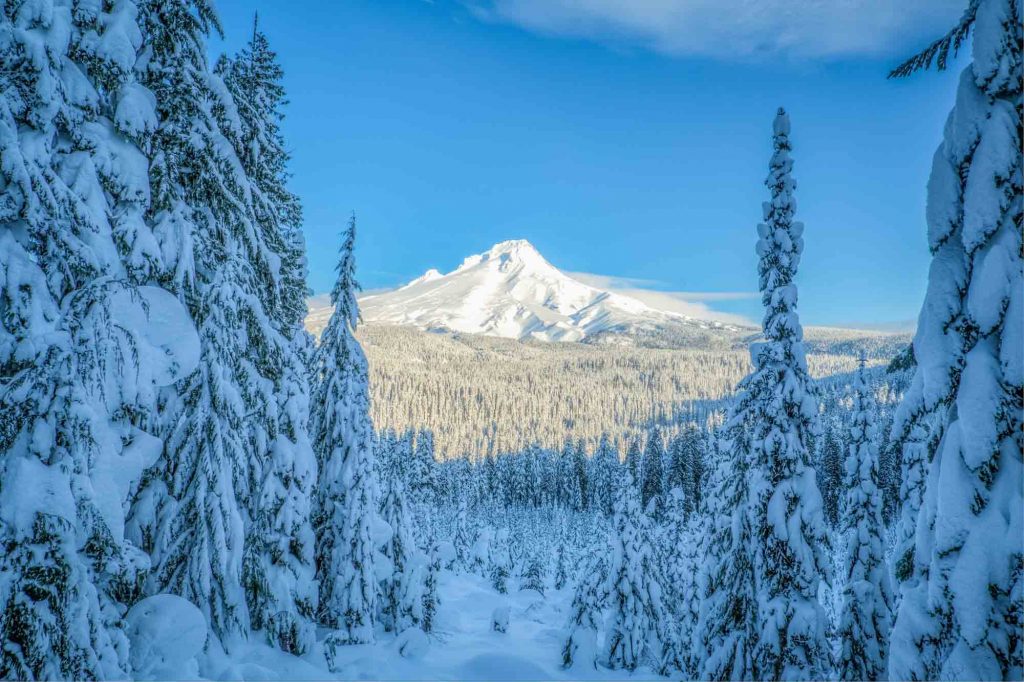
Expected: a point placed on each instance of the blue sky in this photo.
(627, 139)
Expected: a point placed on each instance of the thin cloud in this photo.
(692, 304)
(736, 29)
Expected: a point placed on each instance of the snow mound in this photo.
(166, 634)
(499, 618)
(412, 643)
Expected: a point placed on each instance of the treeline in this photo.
(482, 395)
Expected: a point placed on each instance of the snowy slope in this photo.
(511, 291)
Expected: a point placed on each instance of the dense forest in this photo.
(192, 487)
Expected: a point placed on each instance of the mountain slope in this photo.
(511, 291)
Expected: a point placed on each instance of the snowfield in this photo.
(462, 647)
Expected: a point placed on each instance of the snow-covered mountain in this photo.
(511, 291)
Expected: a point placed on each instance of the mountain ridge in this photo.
(511, 291)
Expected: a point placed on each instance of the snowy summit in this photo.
(512, 291)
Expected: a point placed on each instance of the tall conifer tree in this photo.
(961, 608)
(347, 492)
(78, 366)
(867, 596)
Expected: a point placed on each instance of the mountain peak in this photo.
(512, 246)
(511, 291)
(510, 250)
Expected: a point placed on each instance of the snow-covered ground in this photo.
(462, 647)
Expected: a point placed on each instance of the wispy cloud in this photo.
(736, 29)
(692, 303)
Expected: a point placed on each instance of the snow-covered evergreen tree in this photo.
(772, 534)
(830, 475)
(726, 632)
(422, 474)
(638, 627)
(586, 614)
(654, 456)
(561, 566)
(501, 561)
(960, 613)
(82, 347)
(867, 596)
(402, 589)
(346, 503)
(604, 465)
(634, 456)
(279, 568)
(786, 509)
(463, 540)
(198, 503)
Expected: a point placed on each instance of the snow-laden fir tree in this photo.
(638, 630)
(960, 612)
(654, 455)
(501, 561)
(561, 567)
(762, 618)
(918, 444)
(219, 421)
(866, 615)
(579, 464)
(726, 632)
(431, 600)
(634, 456)
(604, 467)
(81, 349)
(463, 539)
(533, 575)
(347, 496)
(686, 466)
(402, 588)
(830, 475)
(586, 616)
(672, 543)
(422, 474)
(785, 504)
(279, 568)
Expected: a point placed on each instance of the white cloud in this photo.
(692, 303)
(737, 29)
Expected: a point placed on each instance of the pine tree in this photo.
(579, 472)
(787, 522)
(346, 504)
(279, 568)
(686, 467)
(78, 369)
(867, 597)
(561, 567)
(501, 562)
(586, 614)
(605, 464)
(402, 590)
(654, 454)
(217, 261)
(533, 576)
(774, 531)
(422, 477)
(726, 633)
(960, 613)
(634, 455)
(638, 629)
(430, 589)
(463, 539)
(830, 475)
